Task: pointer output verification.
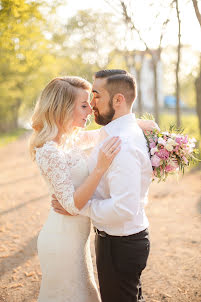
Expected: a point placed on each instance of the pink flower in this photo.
(169, 168)
(176, 148)
(185, 141)
(155, 160)
(163, 154)
(152, 145)
(178, 140)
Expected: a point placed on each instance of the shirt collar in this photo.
(115, 126)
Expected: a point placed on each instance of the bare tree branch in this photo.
(165, 23)
(113, 7)
(198, 79)
(129, 22)
(129, 19)
(197, 12)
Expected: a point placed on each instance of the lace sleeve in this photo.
(88, 139)
(54, 167)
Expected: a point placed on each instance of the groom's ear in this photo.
(118, 100)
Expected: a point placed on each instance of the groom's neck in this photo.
(121, 113)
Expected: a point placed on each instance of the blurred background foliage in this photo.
(35, 47)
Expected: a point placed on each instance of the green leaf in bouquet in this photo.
(148, 116)
(174, 129)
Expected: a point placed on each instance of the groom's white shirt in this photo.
(117, 206)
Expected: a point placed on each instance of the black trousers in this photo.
(120, 262)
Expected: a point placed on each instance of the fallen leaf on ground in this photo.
(16, 285)
(29, 274)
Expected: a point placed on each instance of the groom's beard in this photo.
(104, 119)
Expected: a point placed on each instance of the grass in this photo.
(8, 137)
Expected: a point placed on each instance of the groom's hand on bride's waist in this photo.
(58, 207)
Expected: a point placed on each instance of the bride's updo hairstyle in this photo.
(54, 110)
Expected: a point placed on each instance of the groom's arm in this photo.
(124, 182)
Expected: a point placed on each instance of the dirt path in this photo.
(173, 273)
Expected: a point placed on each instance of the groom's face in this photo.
(102, 103)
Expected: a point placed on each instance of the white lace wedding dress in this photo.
(63, 243)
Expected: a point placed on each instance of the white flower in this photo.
(171, 142)
(192, 140)
(161, 141)
(191, 147)
(168, 147)
(166, 133)
(173, 135)
(154, 150)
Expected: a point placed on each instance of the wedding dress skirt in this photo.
(65, 259)
(64, 242)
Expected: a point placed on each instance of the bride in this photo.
(63, 242)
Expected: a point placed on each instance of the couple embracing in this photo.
(108, 187)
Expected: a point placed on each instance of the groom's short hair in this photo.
(119, 81)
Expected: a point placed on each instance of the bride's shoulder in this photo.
(49, 156)
(49, 149)
(50, 146)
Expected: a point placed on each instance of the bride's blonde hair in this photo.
(54, 109)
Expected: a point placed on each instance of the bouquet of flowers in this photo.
(170, 151)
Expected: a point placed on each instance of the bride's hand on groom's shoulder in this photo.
(147, 125)
(58, 207)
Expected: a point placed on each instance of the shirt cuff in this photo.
(86, 209)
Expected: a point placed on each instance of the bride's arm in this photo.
(147, 125)
(54, 166)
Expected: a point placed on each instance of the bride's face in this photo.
(82, 108)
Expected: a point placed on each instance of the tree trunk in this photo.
(198, 80)
(138, 80)
(139, 97)
(178, 113)
(16, 113)
(198, 98)
(9, 122)
(156, 106)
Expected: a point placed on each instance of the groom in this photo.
(117, 209)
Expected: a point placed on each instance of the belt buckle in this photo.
(96, 231)
(102, 234)
(99, 233)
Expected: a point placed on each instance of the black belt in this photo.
(103, 234)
